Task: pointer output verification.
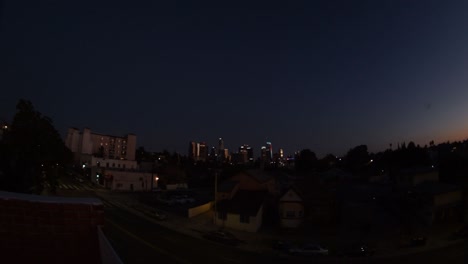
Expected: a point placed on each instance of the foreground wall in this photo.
(39, 229)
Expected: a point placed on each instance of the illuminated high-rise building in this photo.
(198, 151)
(213, 154)
(221, 149)
(194, 150)
(269, 151)
(220, 144)
(203, 152)
(248, 152)
(263, 154)
(226, 155)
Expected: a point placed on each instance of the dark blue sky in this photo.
(325, 75)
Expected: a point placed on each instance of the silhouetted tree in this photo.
(32, 152)
(327, 162)
(357, 158)
(306, 161)
(142, 155)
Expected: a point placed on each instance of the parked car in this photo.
(309, 250)
(223, 237)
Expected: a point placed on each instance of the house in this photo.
(243, 212)
(319, 198)
(261, 185)
(291, 209)
(257, 180)
(227, 190)
(441, 202)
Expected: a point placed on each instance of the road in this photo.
(138, 240)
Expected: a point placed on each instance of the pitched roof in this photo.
(294, 189)
(227, 186)
(244, 202)
(260, 175)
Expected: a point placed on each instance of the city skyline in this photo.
(325, 76)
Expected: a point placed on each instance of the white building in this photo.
(100, 145)
(125, 180)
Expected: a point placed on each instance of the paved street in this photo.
(138, 240)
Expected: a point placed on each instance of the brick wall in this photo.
(38, 229)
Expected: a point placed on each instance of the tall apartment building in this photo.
(101, 145)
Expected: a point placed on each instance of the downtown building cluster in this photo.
(200, 151)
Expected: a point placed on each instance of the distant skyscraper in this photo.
(243, 156)
(203, 152)
(198, 151)
(263, 154)
(220, 144)
(213, 154)
(225, 155)
(248, 152)
(269, 150)
(194, 150)
(221, 149)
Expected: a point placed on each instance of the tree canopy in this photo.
(31, 151)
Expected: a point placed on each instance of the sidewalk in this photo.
(262, 241)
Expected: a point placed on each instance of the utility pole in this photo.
(215, 194)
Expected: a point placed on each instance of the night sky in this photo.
(325, 75)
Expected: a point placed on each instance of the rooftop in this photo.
(244, 202)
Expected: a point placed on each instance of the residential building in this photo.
(257, 180)
(291, 209)
(227, 190)
(439, 202)
(100, 145)
(243, 212)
